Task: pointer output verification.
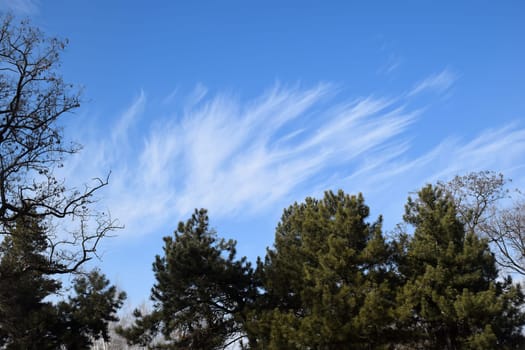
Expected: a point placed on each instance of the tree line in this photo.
(333, 278)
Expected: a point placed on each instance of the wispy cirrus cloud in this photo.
(21, 7)
(230, 156)
(439, 83)
(395, 173)
(501, 149)
(127, 119)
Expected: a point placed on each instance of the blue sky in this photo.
(245, 107)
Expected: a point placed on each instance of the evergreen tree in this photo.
(86, 315)
(27, 320)
(452, 298)
(331, 281)
(202, 292)
(328, 279)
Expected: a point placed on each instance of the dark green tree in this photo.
(452, 298)
(27, 319)
(86, 315)
(328, 279)
(201, 295)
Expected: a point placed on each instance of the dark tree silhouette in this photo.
(33, 99)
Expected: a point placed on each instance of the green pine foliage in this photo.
(85, 316)
(28, 320)
(333, 281)
(452, 298)
(327, 280)
(202, 292)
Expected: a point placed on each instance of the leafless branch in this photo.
(33, 101)
(480, 202)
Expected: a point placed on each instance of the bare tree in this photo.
(482, 201)
(33, 99)
(476, 195)
(506, 230)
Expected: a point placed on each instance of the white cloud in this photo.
(439, 83)
(120, 131)
(500, 150)
(232, 156)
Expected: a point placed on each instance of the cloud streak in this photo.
(500, 149)
(439, 83)
(233, 156)
(395, 174)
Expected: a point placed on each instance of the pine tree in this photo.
(30, 321)
(201, 295)
(452, 298)
(328, 279)
(26, 320)
(86, 314)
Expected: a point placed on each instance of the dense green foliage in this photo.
(333, 281)
(451, 298)
(86, 315)
(328, 280)
(24, 315)
(202, 293)
(27, 319)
